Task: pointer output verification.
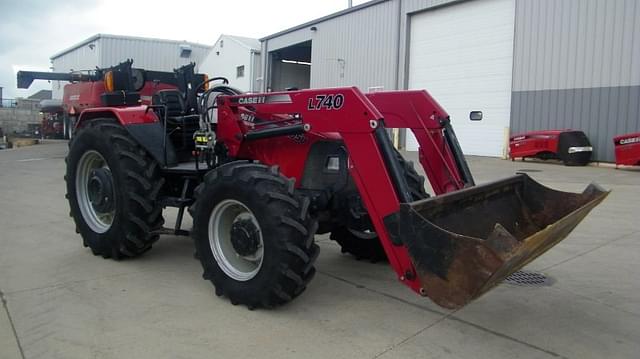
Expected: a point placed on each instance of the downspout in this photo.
(264, 63)
(399, 139)
(397, 45)
(251, 63)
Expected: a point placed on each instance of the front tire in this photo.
(253, 236)
(366, 245)
(112, 188)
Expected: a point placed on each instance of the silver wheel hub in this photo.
(95, 191)
(236, 240)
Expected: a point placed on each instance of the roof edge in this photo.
(324, 18)
(73, 47)
(237, 41)
(110, 36)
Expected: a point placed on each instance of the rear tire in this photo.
(112, 188)
(370, 248)
(271, 261)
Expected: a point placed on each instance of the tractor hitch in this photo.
(464, 243)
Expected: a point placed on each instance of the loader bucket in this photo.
(464, 243)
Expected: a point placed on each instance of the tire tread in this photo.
(143, 183)
(295, 270)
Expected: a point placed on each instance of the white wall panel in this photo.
(462, 55)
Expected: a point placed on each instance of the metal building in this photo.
(528, 65)
(104, 50)
(237, 58)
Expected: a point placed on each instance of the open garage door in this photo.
(463, 55)
(290, 67)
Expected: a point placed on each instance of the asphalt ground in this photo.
(60, 301)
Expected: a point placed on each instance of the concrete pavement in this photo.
(66, 303)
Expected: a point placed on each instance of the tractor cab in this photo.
(189, 112)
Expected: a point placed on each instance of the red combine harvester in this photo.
(54, 123)
(569, 146)
(262, 173)
(89, 88)
(627, 149)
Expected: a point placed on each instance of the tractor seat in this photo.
(172, 100)
(175, 105)
(180, 125)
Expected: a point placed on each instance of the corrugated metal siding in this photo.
(148, 54)
(600, 112)
(590, 48)
(365, 40)
(577, 65)
(82, 58)
(288, 39)
(576, 44)
(372, 41)
(367, 44)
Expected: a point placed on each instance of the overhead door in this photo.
(462, 55)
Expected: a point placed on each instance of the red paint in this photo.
(352, 119)
(418, 111)
(84, 98)
(535, 142)
(352, 122)
(627, 149)
(83, 95)
(125, 115)
(52, 124)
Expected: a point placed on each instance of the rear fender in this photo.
(124, 115)
(144, 126)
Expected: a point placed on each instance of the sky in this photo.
(33, 30)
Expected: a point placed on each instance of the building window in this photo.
(185, 50)
(240, 71)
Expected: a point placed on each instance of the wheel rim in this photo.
(231, 226)
(95, 191)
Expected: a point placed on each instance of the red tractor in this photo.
(261, 174)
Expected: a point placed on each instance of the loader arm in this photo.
(439, 151)
(451, 248)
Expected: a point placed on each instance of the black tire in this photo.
(364, 248)
(286, 228)
(136, 182)
(569, 139)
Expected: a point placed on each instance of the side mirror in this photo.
(475, 115)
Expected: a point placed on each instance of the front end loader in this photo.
(261, 174)
(452, 247)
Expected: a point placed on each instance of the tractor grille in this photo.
(528, 279)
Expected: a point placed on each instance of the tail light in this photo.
(205, 85)
(108, 81)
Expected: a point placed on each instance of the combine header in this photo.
(261, 174)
